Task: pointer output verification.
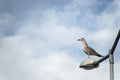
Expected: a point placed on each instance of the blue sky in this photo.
(38, 38)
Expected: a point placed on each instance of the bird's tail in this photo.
(100, 55)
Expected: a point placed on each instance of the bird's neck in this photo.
(85, 44)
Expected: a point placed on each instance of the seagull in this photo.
(87, 49)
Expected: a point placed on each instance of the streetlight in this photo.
(89, 64)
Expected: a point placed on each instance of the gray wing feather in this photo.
(91, 51)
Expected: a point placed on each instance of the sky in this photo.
(38, 38)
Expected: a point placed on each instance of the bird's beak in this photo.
(79, 40)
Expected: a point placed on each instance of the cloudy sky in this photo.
(38, 38)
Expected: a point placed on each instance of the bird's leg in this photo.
(88, 56)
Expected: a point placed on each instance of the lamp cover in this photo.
(88, 64)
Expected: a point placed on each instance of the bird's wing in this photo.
(91, 51)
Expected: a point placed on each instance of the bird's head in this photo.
(82, 39)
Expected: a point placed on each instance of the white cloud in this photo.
(56, 66)
(14, 58)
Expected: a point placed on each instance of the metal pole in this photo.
(110, 55)
(111, 61)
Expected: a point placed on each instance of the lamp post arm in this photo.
(115, 42)
(111, 51)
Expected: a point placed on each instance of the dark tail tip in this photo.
(100, 56)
